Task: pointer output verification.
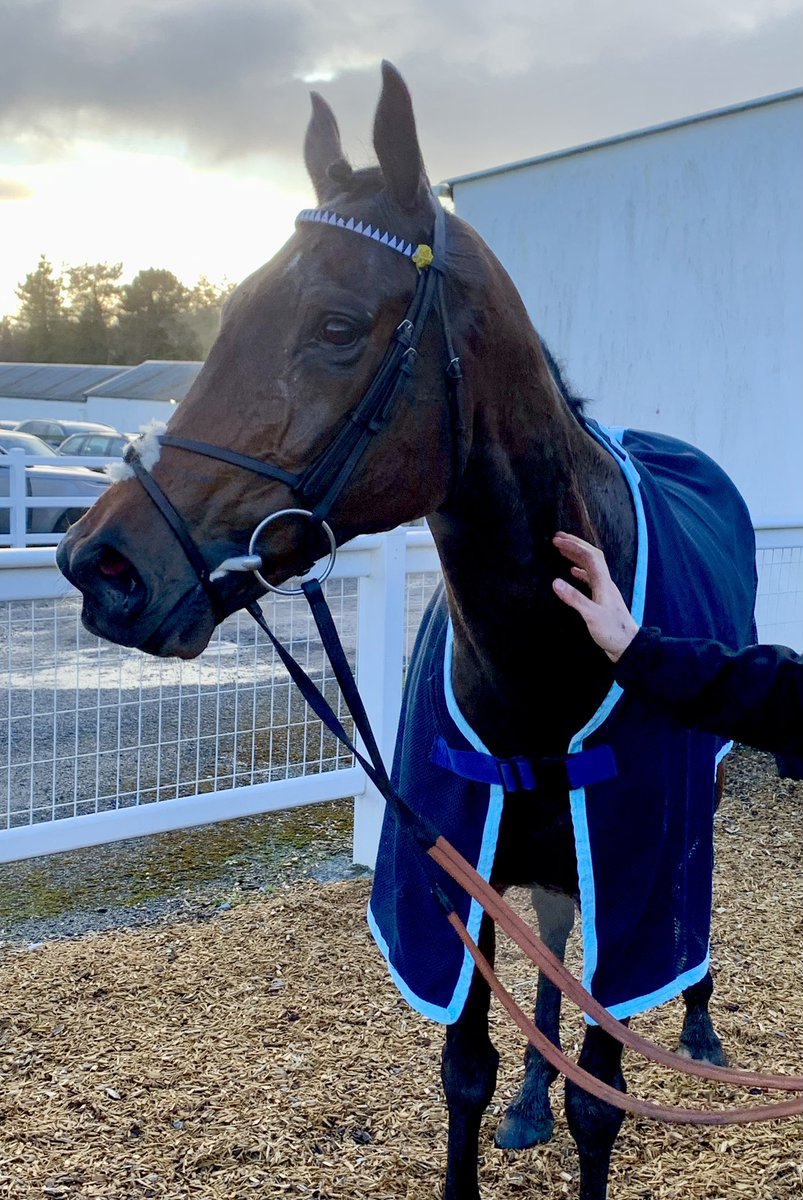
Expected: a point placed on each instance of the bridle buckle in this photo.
(404, 331)
(408, 361)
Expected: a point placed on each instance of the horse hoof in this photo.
(519, 1132)
(712, 1053)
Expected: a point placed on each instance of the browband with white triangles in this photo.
(323, 216)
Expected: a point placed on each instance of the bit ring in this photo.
(293, 512)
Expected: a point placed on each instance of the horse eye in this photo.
(338, 331)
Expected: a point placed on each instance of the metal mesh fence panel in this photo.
(90, 727)
(418, 592)
(779, 609)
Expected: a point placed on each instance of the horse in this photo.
(483, 439)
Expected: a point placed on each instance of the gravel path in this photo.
(265, 1052)
(190, 873)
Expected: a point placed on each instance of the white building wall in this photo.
(665, 271)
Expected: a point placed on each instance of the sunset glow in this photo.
(105, 204)
(169, 134)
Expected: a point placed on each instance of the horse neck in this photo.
(525, 672)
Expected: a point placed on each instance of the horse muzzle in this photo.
(121, 605)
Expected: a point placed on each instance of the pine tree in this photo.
(151, 321)
(11, 347)
(205, 302)
(41, 319)
(94, 318)
(94, 293)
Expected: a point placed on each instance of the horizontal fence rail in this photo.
(104, 742)
(36, 505)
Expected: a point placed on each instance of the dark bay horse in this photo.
(300, 342)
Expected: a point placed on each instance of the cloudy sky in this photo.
(168, 132)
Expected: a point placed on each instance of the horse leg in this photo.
(529, 1120)
(593, 1123)
(698, 1038)
(468, 1071)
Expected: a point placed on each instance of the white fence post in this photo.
(17, 495)
(380, 656)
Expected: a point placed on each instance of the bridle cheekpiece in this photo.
(320, 484)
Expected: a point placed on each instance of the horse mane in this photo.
(367, 182)
(576, 404)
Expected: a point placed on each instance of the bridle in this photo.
(319, 486)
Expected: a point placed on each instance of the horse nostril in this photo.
(111, 580)
(112, 565)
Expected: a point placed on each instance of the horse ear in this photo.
(322, 148)
(396, 141)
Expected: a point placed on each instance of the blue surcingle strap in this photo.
(527, 774)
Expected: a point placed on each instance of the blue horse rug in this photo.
(643, 828)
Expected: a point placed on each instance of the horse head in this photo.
(301, 341)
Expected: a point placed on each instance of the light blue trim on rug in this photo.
(448, 1014)
(723, 753)
(629, 1008)
(582, 845)
(433, 1011)
(490, 833)
(577, 797)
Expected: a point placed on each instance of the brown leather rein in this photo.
(451, 861)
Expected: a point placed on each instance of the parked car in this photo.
(54, 432)
(57, 481)
(4, 424)
(12, 439)
(95, 445)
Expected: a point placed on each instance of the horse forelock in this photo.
(364, 194)
(362, 184)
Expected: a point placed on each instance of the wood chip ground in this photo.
(266, 1052)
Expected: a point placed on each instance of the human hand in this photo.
(604, 612)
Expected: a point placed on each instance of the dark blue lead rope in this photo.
(423, 830)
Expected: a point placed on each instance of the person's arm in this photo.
(754, 695)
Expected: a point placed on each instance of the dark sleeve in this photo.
(753, 695)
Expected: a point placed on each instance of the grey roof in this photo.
(151, 380)
(731, 109)
(52, 381)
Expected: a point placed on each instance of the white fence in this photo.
(779, 558)
(104, 743)
(29, 490)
